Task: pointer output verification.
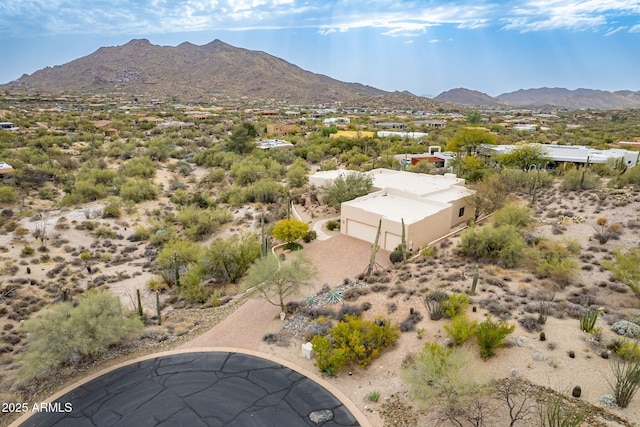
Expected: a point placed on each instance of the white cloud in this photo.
(541, 15)
(612, 31)
(635, 29)
(394, 18)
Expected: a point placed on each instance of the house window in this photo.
(461, 212)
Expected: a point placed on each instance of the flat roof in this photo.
(397, 207)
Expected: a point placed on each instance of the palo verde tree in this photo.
(525, 157)
(490, 194)
(466, 142)
(290, 230)
(275, 281)
(347, 187)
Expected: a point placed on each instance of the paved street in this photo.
(204, 388)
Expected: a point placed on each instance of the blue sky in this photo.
(422, 46)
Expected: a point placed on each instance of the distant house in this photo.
(429, 205)
(276, 144)
(574, 154)
(176, 124)
(431, 123)
(7, 125)
(412, 135)
(391, 125)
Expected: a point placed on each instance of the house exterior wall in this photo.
(363, 224)
(420, 234)
(456, 205)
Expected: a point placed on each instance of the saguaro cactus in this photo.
(476, 275)
(158, 310)
(140, 313)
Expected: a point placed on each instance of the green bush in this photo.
(191, 284)
(226, 260)
(111, 210)
(503, 244)
(333, 225)
(104, 233)
(7, 194)
(553, 260)
(461, 329)
(517, 215)
(138, 190)
(491, 336)
(630, 177)
(65, 333)
(199, 223)
(579, 179)
(140, 167)
(444, 377)
(396, 256)
(455, 305)
(354, 340)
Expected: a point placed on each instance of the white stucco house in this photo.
(430, 205)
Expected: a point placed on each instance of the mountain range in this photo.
(545, 97)
(216, 70)
(202, 73)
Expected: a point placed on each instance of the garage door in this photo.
(391, 241)
(361, 231)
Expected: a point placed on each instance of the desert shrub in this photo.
(455, 304)
(354, 340)
(332, 225)
(579, 179)
(27, 251)
(156, 283)
(8, 194)
(553, 260)
(321, 326)
(138, 190)
(443, 379)
(65, 333)
(199, 223)
(627, 350)
(348, 310)
(461, 329)
(104, 233)
(396, 256)
(624, 380)
(226, 260)
(139, 167)
(491, 336)
(503, 244)
(428, 251)
(409, 324)
(554, 411)
(517, 215)
(433, 304)
(264, 191)
(630, 177)
(626, 329)
(191, 287)
(140, 233)
(111, 210)
(311, 235)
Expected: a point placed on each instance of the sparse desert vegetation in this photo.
(178, 222)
